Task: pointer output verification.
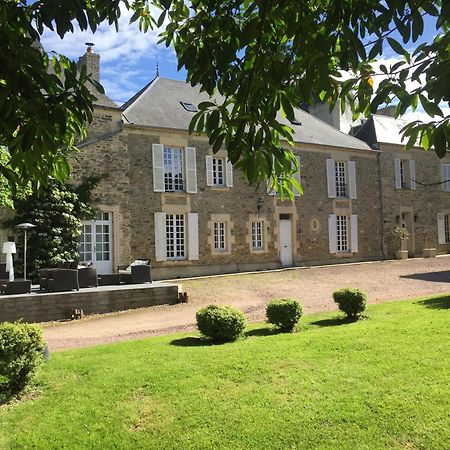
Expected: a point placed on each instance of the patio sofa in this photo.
(139, 271)
(58, 280)
(87, 277)
(4, 275)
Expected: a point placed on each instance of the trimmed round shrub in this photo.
(220, 323)
(21, 353)
(284, 313)
(352, 302)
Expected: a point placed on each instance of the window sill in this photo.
(219, 188)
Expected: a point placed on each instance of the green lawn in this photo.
(381, 383)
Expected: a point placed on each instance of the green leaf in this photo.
(440, 141)
(396, 46)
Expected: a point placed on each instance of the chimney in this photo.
(387, 111)
(92, 62)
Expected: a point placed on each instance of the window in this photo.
(447, 228)
(219, 237)
(340, 178)
(175, 236)
(405, 174)
(342, 233)
(445, 170)
(189, 107)
(218, 171)
(257, 235)
(96, 242)
(173, 169)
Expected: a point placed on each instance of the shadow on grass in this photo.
(436, 302)
(266, 331)
(192, 341)
(333, 322)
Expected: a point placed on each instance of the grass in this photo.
(380, 383)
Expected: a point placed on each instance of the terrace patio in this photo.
(39, 306)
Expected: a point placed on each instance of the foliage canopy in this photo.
(262, 57)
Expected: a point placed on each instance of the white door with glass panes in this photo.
(96, 243)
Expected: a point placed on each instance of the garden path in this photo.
(313, 286)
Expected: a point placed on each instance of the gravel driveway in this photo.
(383, 281)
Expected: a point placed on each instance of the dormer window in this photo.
(189, 107)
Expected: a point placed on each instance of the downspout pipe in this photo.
(380, 178)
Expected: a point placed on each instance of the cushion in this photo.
(137, 262)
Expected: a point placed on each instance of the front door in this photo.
(286, 242)
(408, 224)
(96, 243)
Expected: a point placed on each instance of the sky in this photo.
(128, 58)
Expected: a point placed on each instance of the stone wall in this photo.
(422, 204)
(105, 154)
(309, 213)
(44, 307)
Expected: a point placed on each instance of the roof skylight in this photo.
(189, 107)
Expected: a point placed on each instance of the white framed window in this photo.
(257, 235)
(405, 173)
(342, 234)
(175, 236)
(219, 171)
(173, 169)
(447, 228)
(443, 223)
(220, 243)
(445, 172)
(340, 178)
(402, 174)
(218, 168)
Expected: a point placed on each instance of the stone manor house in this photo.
(165, 196)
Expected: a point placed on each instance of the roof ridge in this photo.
(136, 96)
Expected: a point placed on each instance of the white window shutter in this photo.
(297, 177)
(445, 171)
(209, 170)
(192, 235)
(354, 233)
(191, 170)
(270, 191)
(229, 174)
(160, 237)
(332, 233)
(441, 228)
(158, 167)
(352, 179)
(412, 173)
(331, 178)
(398, 179)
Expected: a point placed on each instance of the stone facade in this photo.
(232, 226)
(416, 208)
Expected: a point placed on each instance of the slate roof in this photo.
(158, 105)
(380, 129)
(102, 99)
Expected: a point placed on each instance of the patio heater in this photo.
(25, 227)
(9, 248)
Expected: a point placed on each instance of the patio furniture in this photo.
(108, 279)
(59, 280)
(4, 275)
(18, 286)
(136, 275)
(87, 277)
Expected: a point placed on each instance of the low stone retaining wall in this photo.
(45, 307)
